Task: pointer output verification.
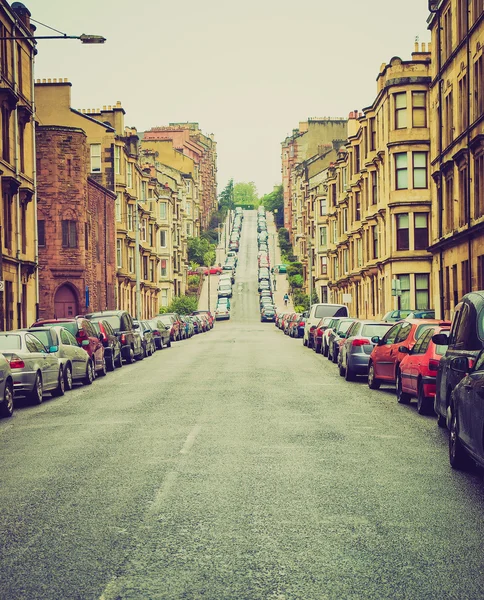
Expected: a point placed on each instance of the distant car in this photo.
(147, 338)
(75, 362)
(34, 370)
(161, 331)
(268, 313)
(354, 354)
(122, 323)
(419, 368)
(213, 270)
(223, 302)
(224, 290)
(336, 336)
(316, 339)
(222, 312)
(6, 388)
(205, 313)
(280, 268)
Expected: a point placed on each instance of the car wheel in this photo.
(36, 393)
(325, 351)
(350, 375)
(68, 378)
(130, 357)
(341, 371)
(402, 397)
(168, 344)
(60, 389)
(457, 455)
(373, 382)
(6, 407)
(142, 353)
(305, 342)
(111, 365)
(119, 361)
(425, 404)
(103, 371)
(441, 421)
(89, 376)
(334, 357)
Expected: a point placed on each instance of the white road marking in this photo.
(190, 440)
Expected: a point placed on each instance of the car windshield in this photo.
(71, 326)
(379, 329)
(329, 310)
(165, 320)
(10, 342)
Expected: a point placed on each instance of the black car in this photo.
(111, 343)
(128, 335)
(161, 332)
(466, 340)
(466, 440)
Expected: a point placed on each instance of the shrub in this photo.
(294, 268)
(296, 281)
(183, 305)
(194, 280)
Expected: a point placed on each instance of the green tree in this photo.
(245, 194)
(183, 305)
(226, 196)
(274, 202)
(198, 248)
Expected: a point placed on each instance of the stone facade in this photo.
(75, 227)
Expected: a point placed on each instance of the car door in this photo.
(49, 362)
(383, 364)
(414, 362)
(470, 407)
(395, 355)
(95, 343)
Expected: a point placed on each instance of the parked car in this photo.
(86, 336)
(126, 331)
(147, 338)
(394, 316)
(338, 333)
(222, 312)
(466, 440)
(161, 331)
(316, 340)
(75, 362)
(386, 356)
(355, 351)
(34, 370)
(111, 343)
(326, 333)
(224, 290)
(215, 270)
(268, 313)
(466, 339)
(206, 314)
(317, 312)
(176, 329)
(6, 388)
(280, 268)
(418, 370)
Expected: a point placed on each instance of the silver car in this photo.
(74, 361)
(34, 370)
(6, 388)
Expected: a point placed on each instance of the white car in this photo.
(6, 388)
(222, 312)
(318, 311)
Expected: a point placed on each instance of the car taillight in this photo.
(433, 364)
(301, 324)
(360, 342)
(123, 338)
(471, 362)
(313, 327)
(156, 332)
(105, 337)
(16, 362)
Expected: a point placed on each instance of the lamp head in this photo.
(92, 39)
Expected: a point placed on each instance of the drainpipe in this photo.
(34, 175)
(439, 188)
(17, 193)
(137, 265)
(468, 182)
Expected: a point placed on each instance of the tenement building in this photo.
(457, 149)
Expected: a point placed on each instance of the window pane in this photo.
(401, 160)
(402, 222)
(420, 159)
(421, 220)
(420, 179)
(419, 118)
(401, 100)
(418, 98)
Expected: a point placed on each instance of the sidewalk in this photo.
(282, 284)
(203, 303)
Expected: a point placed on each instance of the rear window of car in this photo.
(114, 321)
(69, 325)
(329, 310)
(10, 342)
(422, 329)
(96, 327)
(374, 329)
(166, 320)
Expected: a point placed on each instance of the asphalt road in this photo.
(235, 465)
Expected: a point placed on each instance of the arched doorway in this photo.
(65, 303)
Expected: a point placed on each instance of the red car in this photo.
(418, 371)
(316, 339)
(207, 314)
(213, 270)
(86, 336)
(385, 359)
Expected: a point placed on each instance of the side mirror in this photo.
(53, 348)
(460, 364)
(135, 325)
(440, 339)
(85, 343)
(375, 339)
(404, 350)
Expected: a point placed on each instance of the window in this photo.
(41, 232)
(129, 215)
(372, 128)
(449, 203)
(465, 276)
(142, 230)
(374, 236)
(404, 292)
(188, 208)
(419, 170)
(162, 210)
(463, 98)
(335, 232)
(324, 294)
(86, 236)
(324, 265)
(402, 335)
(118, 206)
(6, 133)
(164, 297)
(421, 241)
(145, 268)
(479, 87)
(119, 254)
(401, 170)
(144, 187)
(163, 271)
(461, 19)
(400, 110)
(389, 337)
(463, 195)
(95, 158)
(479, 187)
(357, 159)
(359, 252)
(189, 229)
(69, 234)
(163, 238)
(447, 34)
(131, 259)
(333, 194)
(357, 206)
(323, 239)
(129, 174)
(402, 232)
(449, 117)
(374, 187)
(117, 160)
(345, 260)
(455, 285)
(422, 295)
(150, 235)
(419, 111)
(322, 207)
(477, 9)
(152, 270)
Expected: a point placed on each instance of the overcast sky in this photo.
(246, 71)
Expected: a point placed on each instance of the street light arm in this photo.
(85, 38)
